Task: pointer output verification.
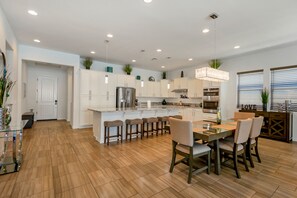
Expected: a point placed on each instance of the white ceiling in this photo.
(175, 26)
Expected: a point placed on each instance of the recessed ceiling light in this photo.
(162, 66)
(36, 40)
(92, 52)
(147, 1)
(190, 59)
(133, 61)
(109, 35)
(236, 47)
(159, 50)
(32, 12)
(205, 30)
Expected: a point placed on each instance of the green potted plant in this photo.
(265, 97)
(215, 63)
(88, 63)
(164, 75)
(128, 69)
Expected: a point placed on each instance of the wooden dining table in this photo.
(210, 131)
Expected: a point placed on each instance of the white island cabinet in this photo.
(100, 115)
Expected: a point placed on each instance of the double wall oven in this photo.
(211, 98)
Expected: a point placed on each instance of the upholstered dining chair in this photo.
(253, 139)
(238, 145)
(243, 115)
(184, 145)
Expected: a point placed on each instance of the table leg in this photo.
(217, 157)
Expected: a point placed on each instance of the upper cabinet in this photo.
(126, 81)
(164, 88)
(195, 88)
(180, 83)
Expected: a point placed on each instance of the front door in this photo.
(47, 98)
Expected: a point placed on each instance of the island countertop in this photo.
(156, 108)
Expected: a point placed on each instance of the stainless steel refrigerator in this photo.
(125, 97)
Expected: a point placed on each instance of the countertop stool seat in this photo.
(115, 123)
(177, 117)
(129, 124)
(150, 125)
(163, 121)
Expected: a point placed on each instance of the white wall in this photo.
(54, 57)
(69, 94)
(36, 70)
(7, 38)
(265, 59)
(118, 69)
(24, 93)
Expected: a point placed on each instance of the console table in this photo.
(10, 149)
(276, 125)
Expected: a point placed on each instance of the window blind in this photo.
(249, 88)
(284, 87)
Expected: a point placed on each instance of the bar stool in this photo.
(150, 121)
(137, 123)
(177, 117)
(163, 121)
(115, 123)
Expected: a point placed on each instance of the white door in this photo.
(47, 98)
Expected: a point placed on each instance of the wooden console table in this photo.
(276, 125)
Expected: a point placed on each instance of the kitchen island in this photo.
(100, 115)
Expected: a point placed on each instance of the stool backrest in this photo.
(243, 130)
(243, 115)
(181, 131)
(256, 126)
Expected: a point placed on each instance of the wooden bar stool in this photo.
(150, 122)
(163, 121)
(137, 123)
(115, 123)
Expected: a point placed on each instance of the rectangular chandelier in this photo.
(211, 74)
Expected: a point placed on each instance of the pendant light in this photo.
(212, 73)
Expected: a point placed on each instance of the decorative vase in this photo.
(264, 107)
(182, 74)
(7, 115)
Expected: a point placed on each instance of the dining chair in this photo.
(253, 139)
(243, 115)
(184, 145)
(238, 145)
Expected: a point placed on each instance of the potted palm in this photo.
(265, 97)
(128, 69)
(88, 63)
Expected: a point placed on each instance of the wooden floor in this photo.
(61, 162)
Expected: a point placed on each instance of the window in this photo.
(284, 87)
(250, 85)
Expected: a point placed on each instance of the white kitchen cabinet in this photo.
(180, 83)
(152, 89)
(165, 90)
(139, 89)
(126, 81)
(95, 92)
(171, 87)
(209, 84)
(195, 88)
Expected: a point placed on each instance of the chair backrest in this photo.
(181, 131)
(243, 115)
(242, 131)
(256, 126)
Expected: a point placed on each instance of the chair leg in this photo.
(235, 161)
(105, 135)
(127, 127)
(244, 158)
(122, 134)
(190, 166)
(208, 162)
(108, 132)
(250, 155)
(257, 152)
(173, 156)
(130, 132)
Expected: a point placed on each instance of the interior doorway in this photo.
(47, 100)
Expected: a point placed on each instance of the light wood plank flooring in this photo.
(61, 162)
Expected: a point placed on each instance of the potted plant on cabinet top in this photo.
(88, 63)
(265, 97)
(128, 69)
(215, 63)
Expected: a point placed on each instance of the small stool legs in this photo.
(108, 125)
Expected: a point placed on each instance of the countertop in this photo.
(153, 108)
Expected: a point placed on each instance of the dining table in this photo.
(209, 131)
